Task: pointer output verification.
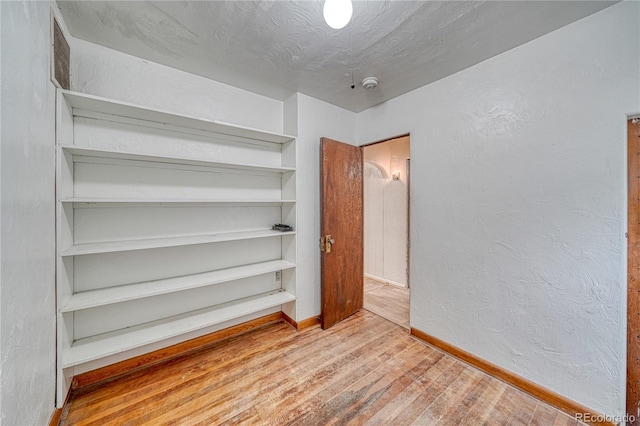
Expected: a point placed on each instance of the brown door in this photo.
(633, 271)
(341, 230)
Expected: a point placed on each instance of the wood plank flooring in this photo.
(364, 370)
(388, 301)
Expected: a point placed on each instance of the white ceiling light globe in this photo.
(337, 13)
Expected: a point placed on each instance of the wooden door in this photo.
(341, 230)
(633, 271)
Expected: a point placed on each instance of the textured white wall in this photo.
(27, 211)
(385, 211)
(101, 71)
(312, 119)
(518, 204)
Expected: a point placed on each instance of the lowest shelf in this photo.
(103, 345)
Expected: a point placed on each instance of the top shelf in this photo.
(82, 102)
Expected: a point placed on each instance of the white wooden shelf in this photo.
(123, 293)
(151, 243)
(175, 202)
(103, 345)
(124, 155)
(83, 103)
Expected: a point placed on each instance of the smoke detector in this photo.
(370, 83)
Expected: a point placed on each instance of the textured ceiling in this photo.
(277, 48)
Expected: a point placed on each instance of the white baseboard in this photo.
(385, 281)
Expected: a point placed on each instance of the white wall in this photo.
(518, 205)
(385, 211)
(312, 119)
(27, 296)
(101, 71)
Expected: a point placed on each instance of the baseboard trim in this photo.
(57, 412)
(385, 281)
(129, 365)
(560, 402)
(290, 320)
(55, 417)
(309, 322)
(302, 324)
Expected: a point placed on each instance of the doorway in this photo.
(386, 174)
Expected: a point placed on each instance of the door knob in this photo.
(329, 243)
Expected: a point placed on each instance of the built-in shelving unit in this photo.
(164, 229)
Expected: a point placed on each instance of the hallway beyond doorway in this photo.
(387, 301)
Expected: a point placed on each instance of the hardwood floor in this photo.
(364, 370)
(388, 301)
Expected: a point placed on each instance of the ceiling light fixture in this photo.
(337, 13)
(370, 83)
